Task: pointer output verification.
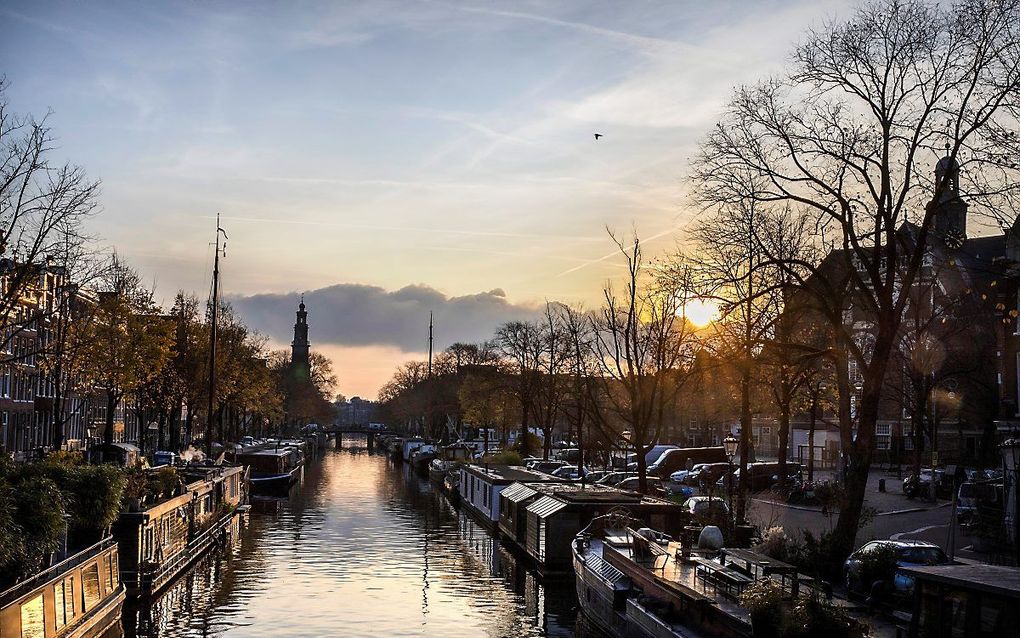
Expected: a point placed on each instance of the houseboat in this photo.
(451, 485)
(162, 540)
(395, 448)
(964, 600)
(450, 456)
(481, 485)
(541, 520)
(628, 597)
(80, 597)
(273, 469)
(408, 446)
(422, 456)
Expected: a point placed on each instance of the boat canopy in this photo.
(518, 492)
(546, 507)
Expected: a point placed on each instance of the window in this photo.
(67, 590)
(104, 576)
(32, 623)
(1016, 330)
(882, 429)
(90, 586)
(63, 605)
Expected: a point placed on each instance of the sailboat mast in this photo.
(212, 338)
(430, 344)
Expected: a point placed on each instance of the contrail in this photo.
(616, 252)
(452, 231)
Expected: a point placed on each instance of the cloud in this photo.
(363, 315)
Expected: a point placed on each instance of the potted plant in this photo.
(135, 486)
(763, 599)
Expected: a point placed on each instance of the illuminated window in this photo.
(90, 586)
(32, 623)
(68, 589)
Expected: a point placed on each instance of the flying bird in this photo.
(597, 136)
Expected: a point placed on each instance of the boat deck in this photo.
(693, 581)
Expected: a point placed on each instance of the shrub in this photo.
(878, 564)
(816, 556)
(814, 617)
(504, 458)
(775, 544)
(763, 599)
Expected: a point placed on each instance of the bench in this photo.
(732, 581)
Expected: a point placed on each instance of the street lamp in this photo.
(1010, 450)
(730, 445)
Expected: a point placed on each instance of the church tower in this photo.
(951, 210)
(299, 347)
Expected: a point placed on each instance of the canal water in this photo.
(362, 547)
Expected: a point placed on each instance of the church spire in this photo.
(299, 347)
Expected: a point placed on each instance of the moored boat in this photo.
(438, 469)
(627, 586)
(161, 540)
(422, 456)
(273, 470)
(79, 597)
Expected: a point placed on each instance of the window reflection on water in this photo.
(362, 548)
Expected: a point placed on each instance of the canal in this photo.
(362, 547)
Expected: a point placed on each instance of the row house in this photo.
(37, 303)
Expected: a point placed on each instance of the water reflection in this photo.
(363, 547)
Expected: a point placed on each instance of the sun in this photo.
(700, 312)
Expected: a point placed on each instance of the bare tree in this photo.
(735, 272)
(850, 133)
(580, 405)
(522, 344)
(644, 347)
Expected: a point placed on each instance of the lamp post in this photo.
(730, 445)
(1010, 450)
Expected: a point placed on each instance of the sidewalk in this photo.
(890, 502)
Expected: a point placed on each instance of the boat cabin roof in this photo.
(506, 474)
(996, 579)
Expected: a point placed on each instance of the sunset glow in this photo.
(700, 312)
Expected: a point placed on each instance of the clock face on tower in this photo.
(955, 239)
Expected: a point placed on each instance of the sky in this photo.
(388, 159)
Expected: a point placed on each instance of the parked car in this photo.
(680, 475)
(762, 476)
(702, 506)
(678, 478)
(922, 485)
(569, 455)
(569, 472)
(975, 494)
(653, 484)
(706, 474)
(685, 458)
(547, 467)
(613, 478)
(864, 565)
(594, 476)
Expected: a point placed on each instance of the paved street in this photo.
(897, 516)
